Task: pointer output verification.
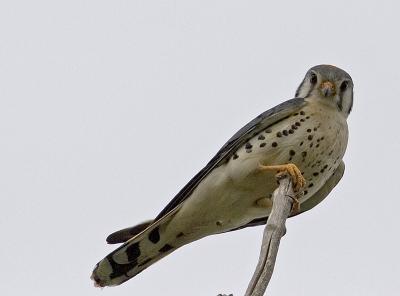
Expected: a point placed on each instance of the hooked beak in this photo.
(327, 88)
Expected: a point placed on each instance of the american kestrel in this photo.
(233, 190)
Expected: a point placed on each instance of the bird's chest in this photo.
(314, 139)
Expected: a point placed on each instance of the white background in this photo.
(108, 108)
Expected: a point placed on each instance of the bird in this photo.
(305, 136)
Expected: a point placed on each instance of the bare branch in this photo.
(275, 229)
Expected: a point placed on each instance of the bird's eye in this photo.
(313, 78)
(344, 86)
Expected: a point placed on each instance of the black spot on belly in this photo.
(285, 132)
(248, 146)
(310, 137)
(235, 156)
(291, 131)
(315, 174)
(165, 248)
(297, 123)
(302, 113)
(154, 235)
(261, 137)
(133, 252)
(279, 134)
(291, 153)
(308, 130)
(274, 144)
(263, 144)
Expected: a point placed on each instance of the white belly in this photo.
(227, 197)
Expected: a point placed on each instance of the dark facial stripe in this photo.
(340, 103)
(350, 105)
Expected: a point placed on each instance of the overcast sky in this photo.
(94, 96)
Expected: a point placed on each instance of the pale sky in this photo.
(95, 96)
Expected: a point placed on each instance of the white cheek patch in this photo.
(304, 89)
(345, 101)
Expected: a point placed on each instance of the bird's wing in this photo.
(258, 124)
(312, 201)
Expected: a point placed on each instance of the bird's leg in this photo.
(297, 179)
(290, 168)
(264, 202)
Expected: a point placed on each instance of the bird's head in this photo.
(328, 83)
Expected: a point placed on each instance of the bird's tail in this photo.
(135, 255)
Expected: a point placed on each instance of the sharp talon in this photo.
(290, 168)
(295, 206)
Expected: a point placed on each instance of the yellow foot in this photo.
(295, 207)
(297, 179)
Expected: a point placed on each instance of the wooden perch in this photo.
(282, 201)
